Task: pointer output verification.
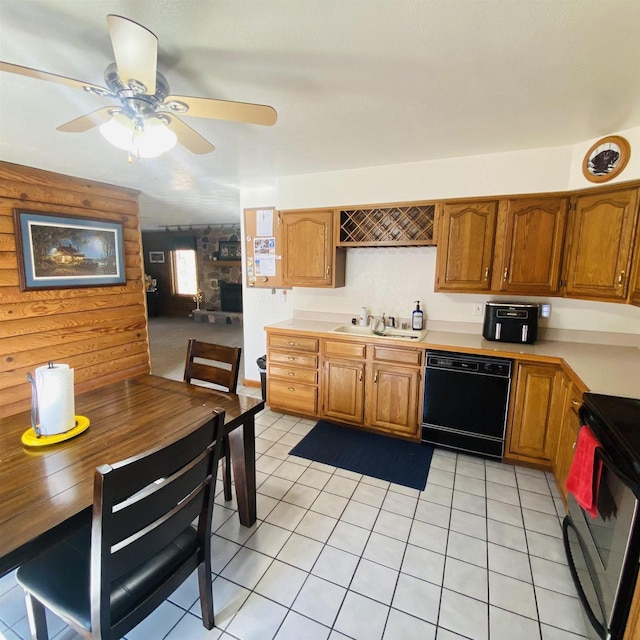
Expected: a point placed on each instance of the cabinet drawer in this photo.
(401, 356)
(293, 396)
(344, 349)
(296, 343)
(308, 376)
(297, 359)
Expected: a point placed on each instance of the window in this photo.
(185, 274)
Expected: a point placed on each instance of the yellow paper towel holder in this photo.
(30, 439)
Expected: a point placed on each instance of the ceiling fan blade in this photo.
(188, 137)
(222, 109)
(136, 51)
(88, 121)
(52, 77)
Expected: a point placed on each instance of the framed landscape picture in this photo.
(56, 251)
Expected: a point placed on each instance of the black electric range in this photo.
(616, 423)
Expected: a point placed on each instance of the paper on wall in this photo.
(264, 222)
(265, 266)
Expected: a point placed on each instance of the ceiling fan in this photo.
(145, 122)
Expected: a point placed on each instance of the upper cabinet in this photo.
(634, 288)
(527, 262)
(599, 245)
(465, 246)
(310, 255)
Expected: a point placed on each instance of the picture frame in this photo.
(156, 257)
(60, 251)
(606, 159)
(229, 250)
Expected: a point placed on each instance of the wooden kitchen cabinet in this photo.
(343, 367)
(537, 404)
(527, 260)
(599, 245)
(292, 373)
(634, 287)
(310, 256)
(465, 246)
(372, 385)
(568, 435)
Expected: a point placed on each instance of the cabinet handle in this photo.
(291, 388)
(291, 374)
(573, 446)
(575, 403)
(620, 278)
(506, 274)
(328, 271)
(291, 357)
(486, 274)
(293, 344)
(375, 378)
(360, 377)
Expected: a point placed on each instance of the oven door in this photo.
(603, 553)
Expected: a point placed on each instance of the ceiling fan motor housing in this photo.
(136, 103)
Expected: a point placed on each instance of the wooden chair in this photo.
(203, 364)
(139, 546)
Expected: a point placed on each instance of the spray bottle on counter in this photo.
(416, 317)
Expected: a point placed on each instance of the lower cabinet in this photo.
(568, 437)
(372, 386)
(536, 413)
(292, 373)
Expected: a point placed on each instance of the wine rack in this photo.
(387, 226)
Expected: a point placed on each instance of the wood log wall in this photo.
(100, 331)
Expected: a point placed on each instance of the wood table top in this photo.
(42, 487)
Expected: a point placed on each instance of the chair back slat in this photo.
(150, 503)
(130, 476)
(146, 543)
(207, 367)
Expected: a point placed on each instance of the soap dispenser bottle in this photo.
(416, 317)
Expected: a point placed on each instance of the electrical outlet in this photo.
(477, 308)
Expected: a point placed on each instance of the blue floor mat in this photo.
(391, 459)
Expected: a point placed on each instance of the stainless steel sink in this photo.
(389, 333)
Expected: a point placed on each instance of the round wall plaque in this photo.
(606, 159)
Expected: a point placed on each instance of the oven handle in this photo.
(595, 623)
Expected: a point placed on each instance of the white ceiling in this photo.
(355, 83)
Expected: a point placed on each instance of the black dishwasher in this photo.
(465, 402)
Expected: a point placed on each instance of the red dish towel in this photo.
(584, 475)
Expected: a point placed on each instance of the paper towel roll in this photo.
(56, 403)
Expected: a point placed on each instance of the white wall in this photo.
(390, 279)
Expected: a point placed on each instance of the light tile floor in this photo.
(335, 555)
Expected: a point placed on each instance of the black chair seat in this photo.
(68, 593)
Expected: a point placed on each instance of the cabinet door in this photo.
(308, 248)
(536, 412)
(600, 237)
(465, 247)
(343, 390)
(568, 438)
(533, 246)
(392, 399)
(634, 289)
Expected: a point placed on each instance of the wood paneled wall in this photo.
(100, 331)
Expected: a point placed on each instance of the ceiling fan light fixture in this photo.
(149, 139)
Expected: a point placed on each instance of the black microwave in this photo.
(511, 322)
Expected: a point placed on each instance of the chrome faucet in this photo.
(378, 325)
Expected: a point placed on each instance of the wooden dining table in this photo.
(45, 491)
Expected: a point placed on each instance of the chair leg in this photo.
(37, 618)
(205, 584)
(226, 471)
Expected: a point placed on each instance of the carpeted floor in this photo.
(168, 338)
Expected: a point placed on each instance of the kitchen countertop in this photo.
(603, 368)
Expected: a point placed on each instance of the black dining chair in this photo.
(219, 365)
(151, 527)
